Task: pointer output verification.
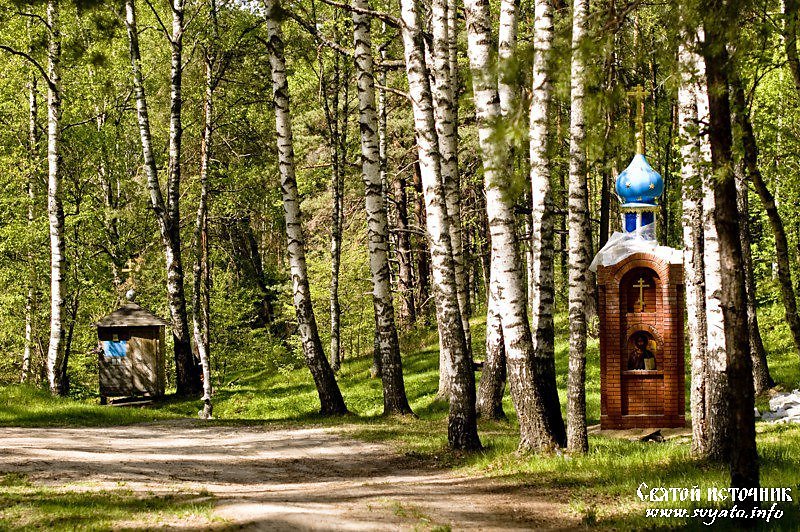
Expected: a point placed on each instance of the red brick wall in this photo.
(644, 399)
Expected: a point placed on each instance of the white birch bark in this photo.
(330, 397)
(394, 394)
(506, 49)
(56, 352)
(167, 212)
(692, 169)
(716, 388)
(577, 438)
(491, 387)
(535, 432)
(542, 226)
(710, 386)
(201, 312)
(30, 298)
(444, 116)
(462, 427)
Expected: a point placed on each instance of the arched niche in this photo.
(639, 290)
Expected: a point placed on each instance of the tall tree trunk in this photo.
(695, 156)
(493, 376)
(577, 439)
(422, 255)
(405, 274)
(790, 12)
(717, 390)
(56, 352)
(330, 397)
(167, 213)
(743, 454)
(444, 115)
(188, 374)
(336, 121)
(782, 259)
(462, 430)
(762, 380)
(394, 392)
(33, 155)
(201, 311)
(536, 432)
(541, 241)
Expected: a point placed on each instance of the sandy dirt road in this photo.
(265, 478)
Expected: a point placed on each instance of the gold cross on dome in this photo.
(641, 286)
(639, 94)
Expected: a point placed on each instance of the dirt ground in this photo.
(264, 478)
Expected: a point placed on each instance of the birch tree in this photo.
(444, 116)
(33, 154)
(694, 157)
(394, 393)
(56, 350)
(578, 211)
(462, 431)
(330, 397)
(201, 311)
(718, 21)
(542, 227)
(493, 374)
(167, 211)
(536, 433)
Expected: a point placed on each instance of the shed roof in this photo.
(130, 315)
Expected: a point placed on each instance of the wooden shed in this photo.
(132, 357)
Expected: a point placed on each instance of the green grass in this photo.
(600, 486)
(25, 506)
(26, 406)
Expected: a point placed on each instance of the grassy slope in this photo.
(601, 485)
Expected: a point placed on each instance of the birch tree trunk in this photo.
(167, 213)
(421, 254)
(336, 140)
(542, 227)
(462, 430)
(717, 393)
(187, 371)
(732, 293)
(405, 274)
(56, 352)
(33, 154)
(201, 311)
(330, 397)
(444, 115)
(493, 376)
(577, 438)
(536, 433)
(394, 393)
(695, 159)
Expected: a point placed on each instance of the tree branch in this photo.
(393, 90)
(34, 62)
(385, 17)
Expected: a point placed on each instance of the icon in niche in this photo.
(642, 352)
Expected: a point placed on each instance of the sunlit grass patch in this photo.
(27, 506)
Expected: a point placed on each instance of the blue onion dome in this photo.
(639, 183)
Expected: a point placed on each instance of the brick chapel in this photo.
(641, 310)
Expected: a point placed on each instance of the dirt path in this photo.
(276, 479)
